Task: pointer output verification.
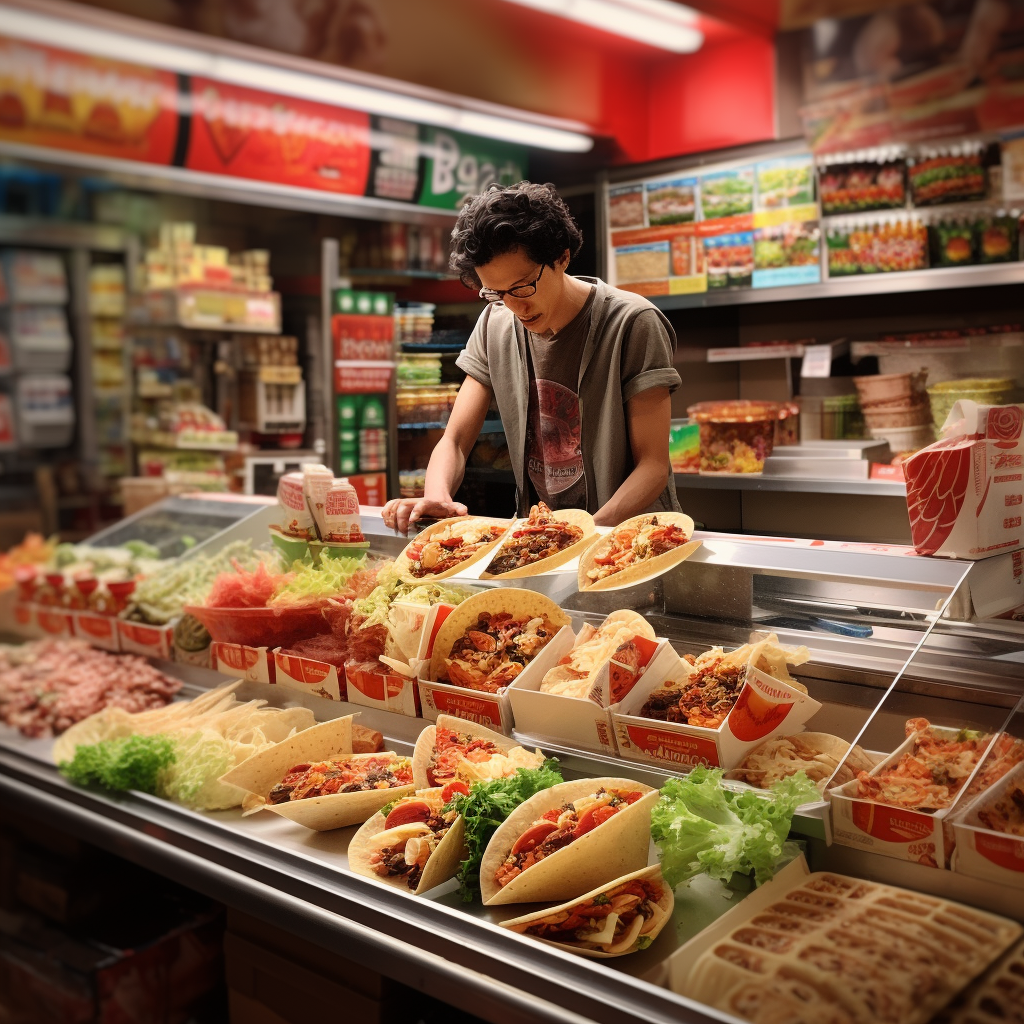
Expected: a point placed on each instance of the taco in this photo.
(449, 547)
(637, 550)
(413, 847)
(576, 672)
(816, 754)
(616, 918)
(567, 840)
(314, 779)
(541, 542)
(455, 750)
(491, 637)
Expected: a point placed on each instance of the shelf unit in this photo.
(790, 485)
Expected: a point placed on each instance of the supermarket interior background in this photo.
(225, 230)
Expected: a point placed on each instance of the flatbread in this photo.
(665, 906)
(259, 774)
(615, 848)
(442, 864)
(519, 603)
(642, 571)
(811, 752)
(403, 564)
(426, 739)
(573, 516)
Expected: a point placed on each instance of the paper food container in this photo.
(583, 722)
(892, 831)
(151, 641)
(391, 692)
(982, 852)
(25, 619)
(764, 709)
(308, 675)
(53, 622)
(255, 664)
(98, 630)
(965, 493)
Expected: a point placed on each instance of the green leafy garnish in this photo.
(600, 900)
(643, 941)
(129, 762)
(486, 807)
(699, 826)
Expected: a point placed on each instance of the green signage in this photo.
(460, 165)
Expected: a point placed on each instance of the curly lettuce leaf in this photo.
(128, 762)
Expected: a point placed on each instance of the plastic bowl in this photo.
(261, 627)
(983, 390)
(889, 387)
(909, 416)
(735, 436)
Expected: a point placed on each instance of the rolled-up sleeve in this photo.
(472, 359)
(647, 356)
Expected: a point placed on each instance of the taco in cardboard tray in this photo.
(449, 547)
(455, 750)
(490, 638)
(616, 918)
(543, 541)
(314, 779)
(637, 550)
(566, 840)
(577, 671)
(415, 846)
(817, 754)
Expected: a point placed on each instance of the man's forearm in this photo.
(636, 493)
(444, 471)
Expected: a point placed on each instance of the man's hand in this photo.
(403, 513)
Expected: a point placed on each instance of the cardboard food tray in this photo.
(982, 852)
(99, 630)
(150, 641)
(54, 623)
(765, 708)
(254, 664)
(309, 675)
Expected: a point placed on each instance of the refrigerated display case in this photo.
(891, 638)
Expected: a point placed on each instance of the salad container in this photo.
(735, 436)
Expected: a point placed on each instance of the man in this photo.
(581, 371)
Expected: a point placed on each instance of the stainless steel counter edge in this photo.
(467, 963)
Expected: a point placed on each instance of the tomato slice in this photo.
(593, 817)
(407, 812)
(452, 789)
(534, 836)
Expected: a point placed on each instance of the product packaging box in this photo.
(391, 692)
(965, 493)
(151, 641)
(255, 664)
(307, 675)
(765, 708)
(98, 630)
(25, 619)
(983, 852)
(53, 622)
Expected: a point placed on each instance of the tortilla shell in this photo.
(642, 571)
(850, 760)
(573, 516)
(403, 564)
(634, 620)
(666, 904)
(498, 599)
(442, 864)
(616, 847)
(426, 739)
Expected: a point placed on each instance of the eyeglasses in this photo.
(521, 291)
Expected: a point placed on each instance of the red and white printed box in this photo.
(151, 641)
(98, 630)
(307, 675)
(585, 722)
(254, 664)
(391, 692)
(981, 852)
(765, 708)
(24, 618)
(894, 831)
(965, 493)
(53, 622)
(491, 709)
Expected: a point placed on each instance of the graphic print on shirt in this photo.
(554, 457)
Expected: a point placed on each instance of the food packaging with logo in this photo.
(735, 436)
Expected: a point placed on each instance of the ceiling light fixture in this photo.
(661, 23)
(99, 42)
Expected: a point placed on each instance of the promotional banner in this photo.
(460, 165)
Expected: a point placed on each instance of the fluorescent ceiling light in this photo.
(660, 23)
(99, 42)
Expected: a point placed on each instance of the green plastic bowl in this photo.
(983, 390)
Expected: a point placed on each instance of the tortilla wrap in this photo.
(258, 775)
(789, 752)
(572, 516)
(643, 571)
(403, 564)
(426, 739)
(442, 864)
(615, 848)
(663, 915)
(520, 603)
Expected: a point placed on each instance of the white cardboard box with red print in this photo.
(25, 619)
(308, 675)
(255, 664)
(764, 708)
(981, 852)
(965, 493)
(151, 641)
(54, 623)
(585, 722)
(98, 630)
(495, 710)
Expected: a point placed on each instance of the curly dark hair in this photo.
(524, 216)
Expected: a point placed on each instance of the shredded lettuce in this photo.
(311, 583)
(699, 826)
(193, 778)
(128, 762)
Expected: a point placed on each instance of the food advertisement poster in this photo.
(672, 202)
(727, 193)
(730, 260)
(788, 181)
(626, 206)
(787, 254)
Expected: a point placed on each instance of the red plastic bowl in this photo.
(261, 627)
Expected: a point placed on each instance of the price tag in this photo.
(817, 361)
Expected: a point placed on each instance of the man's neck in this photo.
(576, 294)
